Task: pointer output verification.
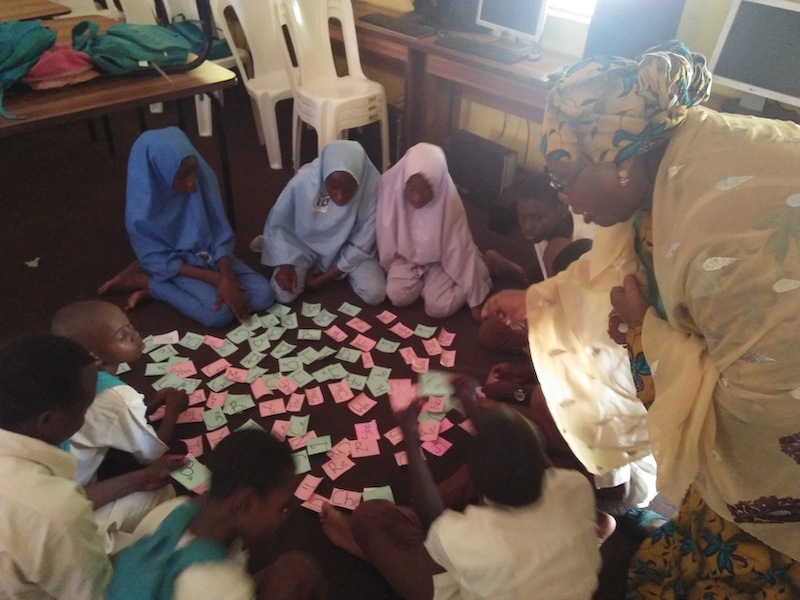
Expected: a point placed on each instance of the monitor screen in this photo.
(758, 51)
(523, 18)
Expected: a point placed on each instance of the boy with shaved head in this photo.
(116, 419)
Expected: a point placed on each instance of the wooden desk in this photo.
(25, 10)
(437, 78)
(114, 93)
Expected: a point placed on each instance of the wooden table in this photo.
(437, 78)
(24, 10)
(114, 93)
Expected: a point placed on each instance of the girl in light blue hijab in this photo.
(322, 226)
(181, 237)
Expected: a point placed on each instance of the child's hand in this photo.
(465, 388)
(286, 278)
(407, 420)
(629, 301)
(173, 399)
(157, 475)
(230, 292)
(315, 280)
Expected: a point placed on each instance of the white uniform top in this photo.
(49, 546)
(546, 550)
(225, 580)
(116, 419)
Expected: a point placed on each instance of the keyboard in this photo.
(399, 25)
(478, 48)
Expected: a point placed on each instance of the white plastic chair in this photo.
(329, 103)
(268, 83)
(188, 8)
(144, 12)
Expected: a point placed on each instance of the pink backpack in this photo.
(58, 67)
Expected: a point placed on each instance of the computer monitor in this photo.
(524, 20)
(758, 52)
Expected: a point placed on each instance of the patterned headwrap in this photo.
(608, 108)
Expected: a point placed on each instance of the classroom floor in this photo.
(62, 201)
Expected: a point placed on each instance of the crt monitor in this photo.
(521, 18)
(758, 52)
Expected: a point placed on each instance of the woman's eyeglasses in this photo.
(561, 186)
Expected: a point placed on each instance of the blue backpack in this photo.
(147, 569)
(22, 43)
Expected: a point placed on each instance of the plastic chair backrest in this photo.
(257, 21)
(307, 22)
(142, 12)
(80, 6)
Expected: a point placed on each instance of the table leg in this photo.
(219, 126)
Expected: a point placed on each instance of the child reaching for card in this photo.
(194, 549)
(534, 529)
(116, 419)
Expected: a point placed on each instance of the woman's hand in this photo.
(286, 278)
(629, 302)
(507, 306)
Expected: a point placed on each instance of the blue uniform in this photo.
(168, 229)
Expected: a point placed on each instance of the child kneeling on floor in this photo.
(532, 536)
(195, 549)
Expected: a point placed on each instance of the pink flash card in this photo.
(157, 414)
(218, 366)
(435, 404)
(386, 317)
(295, 402)
(214, 342)
(447, 358)
(361, 404)
(394, 435)
(420, 365)
(197, 397)
(401, 458)
(402, 398)
(216, 399)
(336, 333)
(307, 487)
(445, 337)
(268, 408)
(340, 391)
(315, 502)
(194, 446)
(340, 449)
(444, 425)
(401, 330)
(259, 388)
(191, 415)
(432, 346)
(359, 325)
(314, 396)
(428, 430)
(236, 374)
(286, 385)
(216, 436)
(408, 354)
(362, 448)
(468, 426)
(300, 441)
(183, 370)
(279, 429)
(367, 360)
(363, 343)
(437, 447)
(334, 468)
(367, 431)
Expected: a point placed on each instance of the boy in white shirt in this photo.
(49, 547)
(534, 534)
(117, 420)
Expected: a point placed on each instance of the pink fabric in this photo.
(60, 66)
(436, 233)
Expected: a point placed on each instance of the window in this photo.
(577, 10)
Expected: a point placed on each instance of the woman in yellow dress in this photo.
(703, 210)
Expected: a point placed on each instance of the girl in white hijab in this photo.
(424, 241)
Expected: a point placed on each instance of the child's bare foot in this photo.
(337, 529)
(130, 279)
(137, 297)
(606, 524)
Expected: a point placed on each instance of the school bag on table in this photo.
(128, 47)
(192, 31)
(21, 45)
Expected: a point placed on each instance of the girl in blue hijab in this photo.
(322, 226)
(181, 237)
